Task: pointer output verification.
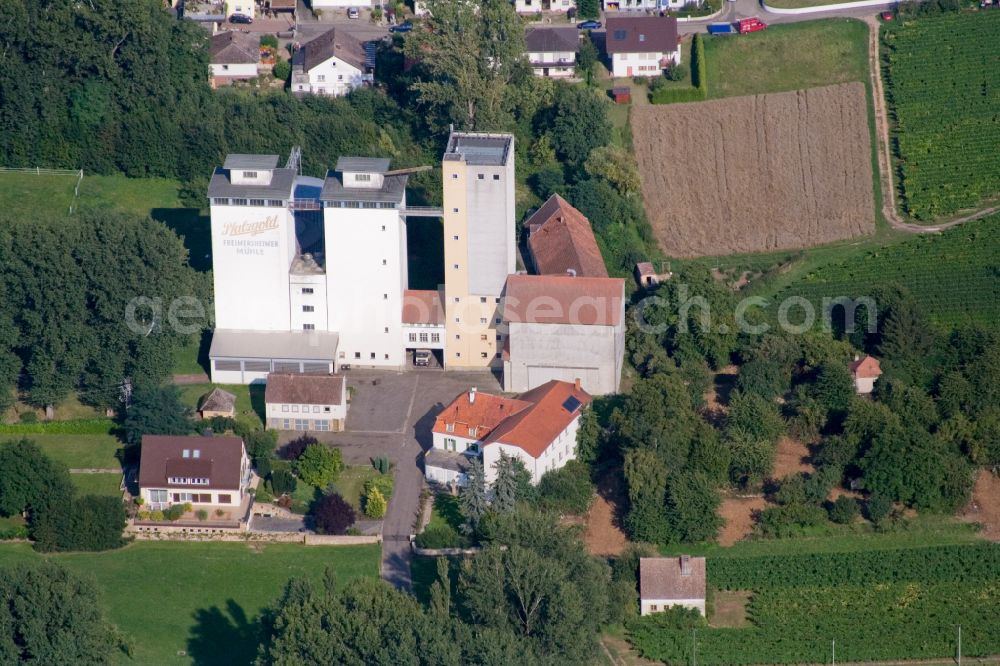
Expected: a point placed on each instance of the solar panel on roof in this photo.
(571, 404)
(371, 50)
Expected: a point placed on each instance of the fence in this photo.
(39, 171)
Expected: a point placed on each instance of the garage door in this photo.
(538, 375)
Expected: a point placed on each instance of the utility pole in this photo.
(833, 652)
(959, 645)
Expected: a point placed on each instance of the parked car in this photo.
(588, 25)
(353, 13)
(402, 27)
(240, 18)
(753, 24)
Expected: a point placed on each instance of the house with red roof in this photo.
(563, 327)
(561, 241)
(865, 372)
(537, 427)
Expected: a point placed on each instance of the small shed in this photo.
(645, 275)
(622, 95)
(665, 582)
(865, 372)
(218, 403)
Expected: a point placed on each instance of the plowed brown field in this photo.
(749, 174)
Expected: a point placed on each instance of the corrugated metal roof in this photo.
(292, 345)
(242, 161)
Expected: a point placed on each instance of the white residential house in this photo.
(538, 6)
(538, 427)
(232, 56)
(332, 64)
(642, 45)
(648, 5)
(200, 470)
(564, 327)
(552, 51)
(665, 582)
(865, 372)
(305, 402)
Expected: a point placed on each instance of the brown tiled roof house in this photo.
(218, 403)
(671, 581)
(193, 464)
(561, 241)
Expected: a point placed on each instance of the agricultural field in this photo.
(877, 605)
(787, 57)
(759, 173)
(954, 275)
(197, 603)
(943, 89)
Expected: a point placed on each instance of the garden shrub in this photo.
(295, 448)
(263, 494)
(375, 503)
(90, 523)
(440, 536)
(332, 515)
(319, 465)
(567, 490)
(283, 482)
(844, 510)
(383, 482)
(202, 514)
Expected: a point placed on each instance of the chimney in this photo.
(472, 395)
(576, 383)
(685, 565)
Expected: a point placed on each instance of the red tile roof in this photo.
(866, 368)
(531, 421)
(563, 299)
(422, 307)
(561, 240)
(292, 388)
(219, 459)
(644, 268)
(662, 578)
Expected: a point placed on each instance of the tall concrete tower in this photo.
(479, 244)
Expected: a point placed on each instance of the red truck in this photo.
(751, 25)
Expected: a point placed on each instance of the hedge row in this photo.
(938, 564)
(95, 426)
(699, 82)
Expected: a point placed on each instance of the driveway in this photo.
(391, 414)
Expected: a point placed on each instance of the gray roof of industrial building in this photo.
(280, 187)
(241, 161)
(550, 40)
(393, 188)
(362, 164)
(481, 149)
(291, 345)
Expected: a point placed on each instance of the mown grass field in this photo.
(76, 451)
(249, 399)
(787, 57)
(97, 484)
(197, 603)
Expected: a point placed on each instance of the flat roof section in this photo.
(271, 345)
(362, 164)
(481, 149)
(244, 161)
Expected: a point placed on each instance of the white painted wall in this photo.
(421, 332)
(234, 71)
(461, 443)
(311, 412)
(236, 496)
(300, 299)
(445, 476)
(864, 385)
(366, 276)
(536, 6)
(554, 64)
(641, 64)
(556, 455)
(492, 254)
(646, 606)
(252, 248)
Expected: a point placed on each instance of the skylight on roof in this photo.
(642, 38)
(620, 34)
(571, 404)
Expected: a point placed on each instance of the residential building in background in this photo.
(642, 45)
(565, 328)
(561, 241)
(233, 56)
(479, 244)
(218, 403)
(665, 582)
(538, 6)
(552, 51)
(865, 372)
(305, 402)
(200, 470)
(332, 64)
(537, 427)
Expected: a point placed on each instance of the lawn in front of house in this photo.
(184, 603)
(351, 484)
(785, 57)
(76, 451)
(97, 484)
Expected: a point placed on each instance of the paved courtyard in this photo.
(391, 414)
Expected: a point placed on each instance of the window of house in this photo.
(256, 202)
(386, 329)
(386, 357)
(275, 203)
(498, 320)
(483, 320)
(340, 77)
(225, 68)
(369, 204)
(295, 408)
(341, 355)
(308, 327)
(307, 290)
(224, 201)
(225, 499)
(321, 91)
(483, 355)
(321, 425)
(372, 356)
(482, 299)
(384, 262)
(450, 444)
(449, 427)
(286, 424)
(383, 227)
(481, 176)
(357, 355)
(239, 202)
(455, 266)
(326, 409)
(496, 176)
(301, 424)
(458, 354)
(435, 337)
(363, 177)
(499, 354)
(385, 297)
(455, 237)
(308, 308)
(423, 337)
(454, 176)
(454, 210)
(315, 409)
(157, 495)
(413, 337)
(483, 337)
(284, 408)
(458, 337)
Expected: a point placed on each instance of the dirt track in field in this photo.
(758, 173)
